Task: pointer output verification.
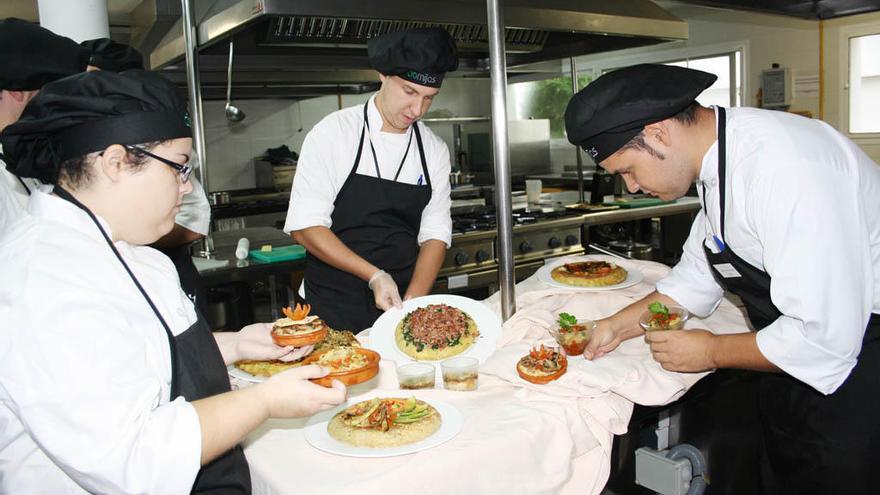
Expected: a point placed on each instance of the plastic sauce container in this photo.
(414, 376)
(460, 373)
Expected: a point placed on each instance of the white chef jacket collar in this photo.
(43, 204)
(709, 167)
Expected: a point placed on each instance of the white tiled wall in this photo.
(232, 147)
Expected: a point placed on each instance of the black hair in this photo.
(687, 117)
(74, 172)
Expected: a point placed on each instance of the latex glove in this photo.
(290, 394)
(255, 342)
(385, 291)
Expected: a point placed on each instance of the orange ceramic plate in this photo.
(349, 377)
(302, 339)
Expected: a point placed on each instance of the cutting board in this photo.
(283, 253)
(636, 202)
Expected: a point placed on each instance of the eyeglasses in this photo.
(184, 170)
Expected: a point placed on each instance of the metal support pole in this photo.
(577, 149)
(190, 41)
(498, 73)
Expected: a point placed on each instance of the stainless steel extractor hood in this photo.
(311, 47)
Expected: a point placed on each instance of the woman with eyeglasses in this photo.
(109, 380)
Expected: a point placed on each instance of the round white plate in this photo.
(633, 274)
(317, 436)
(488, 324)
(243, 375)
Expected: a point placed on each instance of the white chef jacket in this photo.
(13, 196)
(85, 367)
(328, 154)
(803, 205)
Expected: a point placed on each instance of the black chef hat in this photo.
(87, 112)
(107, 54)
(421, 55)
(31, 56)
(611, 110)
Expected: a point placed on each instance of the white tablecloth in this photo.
(517, 437)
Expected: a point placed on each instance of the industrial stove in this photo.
(471, 262)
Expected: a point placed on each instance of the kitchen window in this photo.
(864, 84)
(727, 90)
(545, 99)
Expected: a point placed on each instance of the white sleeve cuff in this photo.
(299, 222)
(426, 235)
(784, 344)
(685, 292)
(180, 446)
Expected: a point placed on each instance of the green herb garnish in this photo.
(566, 320)
(658, 308)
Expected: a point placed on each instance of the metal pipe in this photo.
(498, 74)
(190, 41)
(577, 149)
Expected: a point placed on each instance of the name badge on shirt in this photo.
(727, 270)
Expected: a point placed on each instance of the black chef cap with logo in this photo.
(31, 56)
(421, 55)
(107, 54)
(88, 112)
(614, 108)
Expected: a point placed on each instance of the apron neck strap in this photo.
(366, 128)
(722, 169)
(64, 194)
(722, 165)
(418, 134)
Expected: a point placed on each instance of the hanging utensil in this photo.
(233, 113)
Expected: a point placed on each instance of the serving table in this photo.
(517, 437)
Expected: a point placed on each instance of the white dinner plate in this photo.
(317, 436)
(633, 274)
(243, 375)
(488, 324)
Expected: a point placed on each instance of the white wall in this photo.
(836, 33)
(231, 148)
(764, 39)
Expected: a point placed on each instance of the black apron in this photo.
(812, 443)
(379, 220)
(197, 371)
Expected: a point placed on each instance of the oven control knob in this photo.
(525, 247)
(461, 258)
(482, 255)
(571, 240)
(554, 242)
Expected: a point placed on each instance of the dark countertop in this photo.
(250, 269)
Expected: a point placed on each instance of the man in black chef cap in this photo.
(370, 199)
(790, 224)
(31, 57)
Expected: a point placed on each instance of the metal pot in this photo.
(631, 249)
(220, 198)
